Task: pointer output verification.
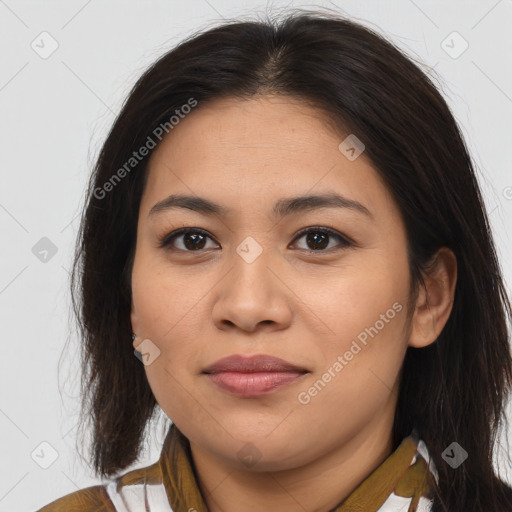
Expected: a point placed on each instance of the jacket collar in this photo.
(406, 477)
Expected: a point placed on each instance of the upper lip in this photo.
(251, 364)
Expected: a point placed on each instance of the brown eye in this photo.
(192, 240)
(195, 240)
(317, 239)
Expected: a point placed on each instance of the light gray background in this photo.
(55, 112)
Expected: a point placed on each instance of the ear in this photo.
(135, 324)
(435, 300)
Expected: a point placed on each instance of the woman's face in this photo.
(333, 305)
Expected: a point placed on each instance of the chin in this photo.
(260, 452)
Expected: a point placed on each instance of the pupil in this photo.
(194, 238)
(315, 238)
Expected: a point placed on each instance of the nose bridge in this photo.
(251, 262)
(251, 293)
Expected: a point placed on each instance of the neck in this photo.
(318, 486)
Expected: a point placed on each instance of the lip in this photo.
(252, 376)
(252, 364)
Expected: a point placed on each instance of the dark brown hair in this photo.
(453, 390)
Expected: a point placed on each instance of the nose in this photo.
(253, 296)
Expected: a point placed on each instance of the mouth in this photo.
(252, 364)
(253, 376)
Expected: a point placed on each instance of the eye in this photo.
(317, 237)
(193, 239)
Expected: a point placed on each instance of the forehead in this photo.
(260, 121)
(248, 152)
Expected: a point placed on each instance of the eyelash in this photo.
(166, 240)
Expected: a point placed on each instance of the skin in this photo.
(304, 307)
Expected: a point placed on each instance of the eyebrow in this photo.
(283, 207)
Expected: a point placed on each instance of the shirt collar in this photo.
(406, 476)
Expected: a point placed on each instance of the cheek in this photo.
(360, 369)
(162, 299)
(162, 317)
(157, 313)
(359, 297)
(364, 310)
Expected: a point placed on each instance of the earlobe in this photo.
(435, 300)
(133, 319)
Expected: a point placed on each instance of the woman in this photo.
(285, 224)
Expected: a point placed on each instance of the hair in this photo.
(452, 390)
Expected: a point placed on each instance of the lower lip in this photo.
(253, 384)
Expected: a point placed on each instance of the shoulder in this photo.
(99, 498)
(91, 499)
